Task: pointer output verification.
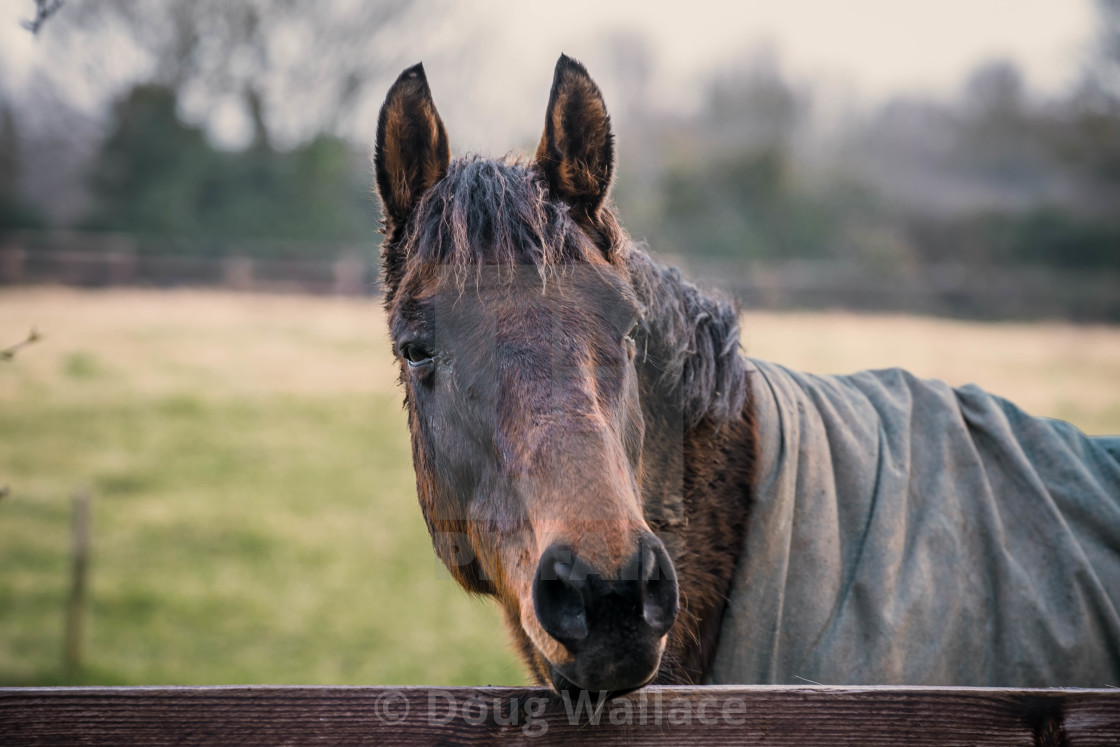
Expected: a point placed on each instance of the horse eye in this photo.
(415, 354)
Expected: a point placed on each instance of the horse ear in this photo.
(576, 153)
(411, 153)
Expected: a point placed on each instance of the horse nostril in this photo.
(560, 591)
(575, 603)
(659, 588)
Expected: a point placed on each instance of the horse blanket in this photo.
(906, 532)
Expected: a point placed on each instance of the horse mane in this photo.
(694, 341)
(499, 212)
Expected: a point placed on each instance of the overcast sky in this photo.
(869, 48)
(883, 45)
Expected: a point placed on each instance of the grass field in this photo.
(255, 517)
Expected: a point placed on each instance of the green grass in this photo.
(263, 537)
(255, 517)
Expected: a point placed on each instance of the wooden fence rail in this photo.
(484, 715)
(997, 292)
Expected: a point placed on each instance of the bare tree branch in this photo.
(44, 9)
(311, 66)
(6, 355)
(10, 352)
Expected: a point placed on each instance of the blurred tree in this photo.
(9, 151)
(995, 91)
(44, 9)
(756, 106)
(150, 173)
(1058, 237)
(998, 139)
(729, 188)
(632, 62)
(1084, 130)
(1051, 171)
(156, 175)
(16, 211)
(296, 67)
(1084, 135)
(1104, 68)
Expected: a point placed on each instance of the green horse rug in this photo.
(906, 532)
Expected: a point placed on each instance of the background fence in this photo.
(943, 289)
(105, 260)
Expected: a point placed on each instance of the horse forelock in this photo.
(498, 213)
(488, 212)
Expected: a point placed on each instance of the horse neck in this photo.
(699, 453)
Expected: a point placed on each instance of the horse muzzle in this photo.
(612, 625)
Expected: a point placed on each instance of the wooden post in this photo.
(79, 570)
(237, 273)
(350, 275)
(121, 267)
(12, 260)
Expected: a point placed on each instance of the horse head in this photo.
(521, 342)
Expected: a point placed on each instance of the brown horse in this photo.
(588, 440)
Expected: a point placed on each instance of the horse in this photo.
(647, 504)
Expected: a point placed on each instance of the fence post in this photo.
(121, 261)
(11, 263)
(237, 273)
(349, 275)
(79, 571)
